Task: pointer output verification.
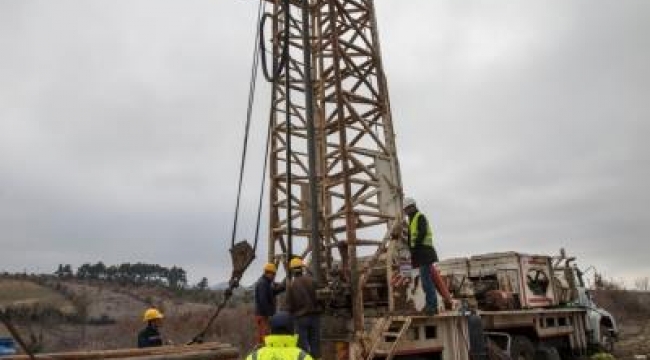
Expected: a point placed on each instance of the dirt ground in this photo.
(634, 340)
(631, 309)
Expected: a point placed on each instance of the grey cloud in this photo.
(521, 126)
(541, 149)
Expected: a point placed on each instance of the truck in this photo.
(495, 305)
(523, 306)
(336, 201)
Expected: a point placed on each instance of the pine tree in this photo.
(203, 284)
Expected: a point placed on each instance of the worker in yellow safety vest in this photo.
(423, 254)
(282, 343)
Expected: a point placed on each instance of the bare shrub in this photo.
(624, 304)
(600, 283)
(642, 283)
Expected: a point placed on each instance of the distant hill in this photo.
(220, 286)
(224, 285)
(18, 293)
(108, 315)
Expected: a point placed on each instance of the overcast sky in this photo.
(521, 126)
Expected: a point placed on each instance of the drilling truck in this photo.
(336, 199)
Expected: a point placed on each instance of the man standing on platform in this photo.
(423, 254)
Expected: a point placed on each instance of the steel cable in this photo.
(238, 270)
(258, 55)
(249, 113)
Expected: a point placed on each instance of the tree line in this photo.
(127, 273)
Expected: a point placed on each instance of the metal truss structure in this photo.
(356, 169)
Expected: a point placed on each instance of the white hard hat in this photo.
(408, 202)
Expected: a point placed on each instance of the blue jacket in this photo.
(149, 337)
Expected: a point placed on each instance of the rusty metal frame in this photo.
(358, 204)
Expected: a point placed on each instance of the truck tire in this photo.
(547, 352)
(522, 348)
(606, 339)
(477, 345)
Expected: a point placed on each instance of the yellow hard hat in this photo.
(270, 267)
(296, 263)
(152, 314)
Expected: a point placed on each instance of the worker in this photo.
(150, 335)
(303, 306)
(423, 254)
(282, 343)
(266, 290)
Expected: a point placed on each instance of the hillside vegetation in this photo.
(57, 313)
(632, 311)
(18, 293)
(101, 314)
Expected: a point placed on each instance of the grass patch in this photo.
(21, 293)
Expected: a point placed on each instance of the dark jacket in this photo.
(301, 296)
(149, 337)
(422, 254)
(265, 292)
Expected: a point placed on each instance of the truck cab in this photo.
(601, 325)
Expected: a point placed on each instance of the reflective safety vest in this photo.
(279, 347)
(413, 231)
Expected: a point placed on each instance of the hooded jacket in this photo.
(279, 347)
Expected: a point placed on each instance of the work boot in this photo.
(431, 311)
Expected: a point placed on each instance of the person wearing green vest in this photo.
(423, 254)
(282, 343)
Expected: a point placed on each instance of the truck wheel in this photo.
(606, 339)
(547, 352)
(522, 348)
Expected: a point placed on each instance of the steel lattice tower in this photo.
(358, 184)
